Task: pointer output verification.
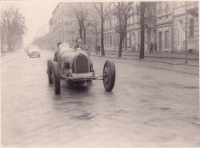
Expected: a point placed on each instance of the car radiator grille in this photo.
(81, 64)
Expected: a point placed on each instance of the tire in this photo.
(109, 78)
(56, 78)
(49, 71)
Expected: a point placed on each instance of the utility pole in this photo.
(186, 60)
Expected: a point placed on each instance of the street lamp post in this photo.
(186, 61)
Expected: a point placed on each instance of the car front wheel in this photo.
(49, 71)
(109, 75)
(56, 78)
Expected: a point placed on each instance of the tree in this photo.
(81, 11)
(94, 29)
(13, 25)
(122, 12)
(143, 6)
(103, 11)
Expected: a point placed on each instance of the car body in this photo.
(75, 67)
(33, 50)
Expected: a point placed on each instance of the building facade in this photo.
(179, 25)
(63, 25)
(164, 27)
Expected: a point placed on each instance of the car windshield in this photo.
(65, 46)
(34, 47)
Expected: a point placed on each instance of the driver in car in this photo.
(78, 43)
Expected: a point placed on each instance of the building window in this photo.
(191, 27)
(69, 23)
(110, 23)
(69, 32)
(128, 40)
(114, 40)
(88, 41)
(117, 39)
(110, 40)
(138, 37)
(167, 39)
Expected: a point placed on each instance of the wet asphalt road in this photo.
(149, 106)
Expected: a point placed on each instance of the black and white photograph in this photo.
(87, 74)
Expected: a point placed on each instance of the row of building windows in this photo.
(111, 22)
(69, 23)
(114, 40)
(69, 14)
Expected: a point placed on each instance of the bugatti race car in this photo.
(75, 67)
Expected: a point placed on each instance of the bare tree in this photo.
(94, 30)
(123, 12)
(13, 25)
(103, 9)
(81, 11)
(143, 6)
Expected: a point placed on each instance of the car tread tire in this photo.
(109, 79)
(49, 71)
(56, 78)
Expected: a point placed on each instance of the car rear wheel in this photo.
(49, 71)
(56, 78)
(109, 75)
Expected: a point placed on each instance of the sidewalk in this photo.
(10, 56)
(158, 57)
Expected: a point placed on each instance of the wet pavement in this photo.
(152, 104)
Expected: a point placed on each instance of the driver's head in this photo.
(79, 41)
(58, 45)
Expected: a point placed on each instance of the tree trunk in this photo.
(125, 41)
(81, 30)
(142, 10)
(84, 34)
(102, 38)
(120, 47)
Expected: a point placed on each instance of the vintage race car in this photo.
(75, 67)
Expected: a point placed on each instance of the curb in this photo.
(155, 56)
(149, 61)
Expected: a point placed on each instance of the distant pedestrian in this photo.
(99, 48)
(151, 48)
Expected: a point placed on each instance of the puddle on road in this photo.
(85, 116)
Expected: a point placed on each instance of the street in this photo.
(152, 104)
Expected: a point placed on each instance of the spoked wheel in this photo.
(109, 75)
(56, 78)
(49, 71)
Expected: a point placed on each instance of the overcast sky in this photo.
(37, 13)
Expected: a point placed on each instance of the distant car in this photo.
(33, 50)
